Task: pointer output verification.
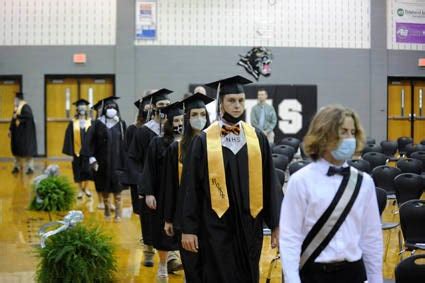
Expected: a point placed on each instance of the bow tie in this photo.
(225, 130)
(344, 171)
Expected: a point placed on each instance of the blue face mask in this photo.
(345, 150)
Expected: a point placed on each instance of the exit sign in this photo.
(79, 58)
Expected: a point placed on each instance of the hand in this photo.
(190, 242)
(150, 201)
(168, 228)
(94, 166)
(275, 238)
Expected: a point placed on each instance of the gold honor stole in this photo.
(217, 175)
(180, 164)
(18, 111)
(77, 136)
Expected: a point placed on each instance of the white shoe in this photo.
(162, 271)
(112, 207)
(101, 206)
(80, 195)
(88, 193)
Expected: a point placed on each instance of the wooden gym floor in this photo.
(19, 227)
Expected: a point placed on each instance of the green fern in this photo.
(79, 254)
(55, 194)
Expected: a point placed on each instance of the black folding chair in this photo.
(294, 142)
(410, 165)
(412, 219)
(370, 140)
(411, 148)
(383, 176)
(280, 161)
(408, 186)
(297, 165)
(402, 142)
(281, 176)
(389, 148)
(286, 150)
(360, 164)
(381, 196)
(375, 159)
(419, 155)
(372, 148)
(411, 270)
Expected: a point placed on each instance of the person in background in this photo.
(330, 227)
(263, 116)
(105, 148)
(211, 107)
(23, 136)
(75, 138)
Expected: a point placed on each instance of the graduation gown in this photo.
(154, 184)
(129, 176)
(23, 137)
(229, 247)
(136, 159)
(80, 164)
(174, 197)
(107, 146)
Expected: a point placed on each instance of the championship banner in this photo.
(295, 106)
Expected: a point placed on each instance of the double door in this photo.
(8, 87)
(60, 95)
(406, 109)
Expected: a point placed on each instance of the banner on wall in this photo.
(295, 106)
(409, 17)
(146, 24)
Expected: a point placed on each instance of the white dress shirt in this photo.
(232, 141)
(309, 193)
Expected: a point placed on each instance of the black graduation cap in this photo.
(172, 110)
(161, 94)
(101, 103)
(19, 95)
(232, 85)
(197, 100)
(81, 102)
(140, 104)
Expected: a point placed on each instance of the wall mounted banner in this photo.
(409, 17)
(146, 25)
(295, 106)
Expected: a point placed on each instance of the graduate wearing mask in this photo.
(137, 154)
(196, 119)
(105, 146)
(231, 190)
(130, 177)
(22, 135)
(154, 180)
(75, 138)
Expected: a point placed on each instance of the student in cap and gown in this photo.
(154, 180)
(130, 176)
(196, 119)
(23, 136)
(105, 148)
(231, 190)
(75, 138)
(137, 154)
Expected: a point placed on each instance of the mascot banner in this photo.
(295, 106)
(257, 62)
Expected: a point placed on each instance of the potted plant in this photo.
(78, 254)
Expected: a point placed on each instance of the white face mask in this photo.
(198, 123)
(111, 113)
